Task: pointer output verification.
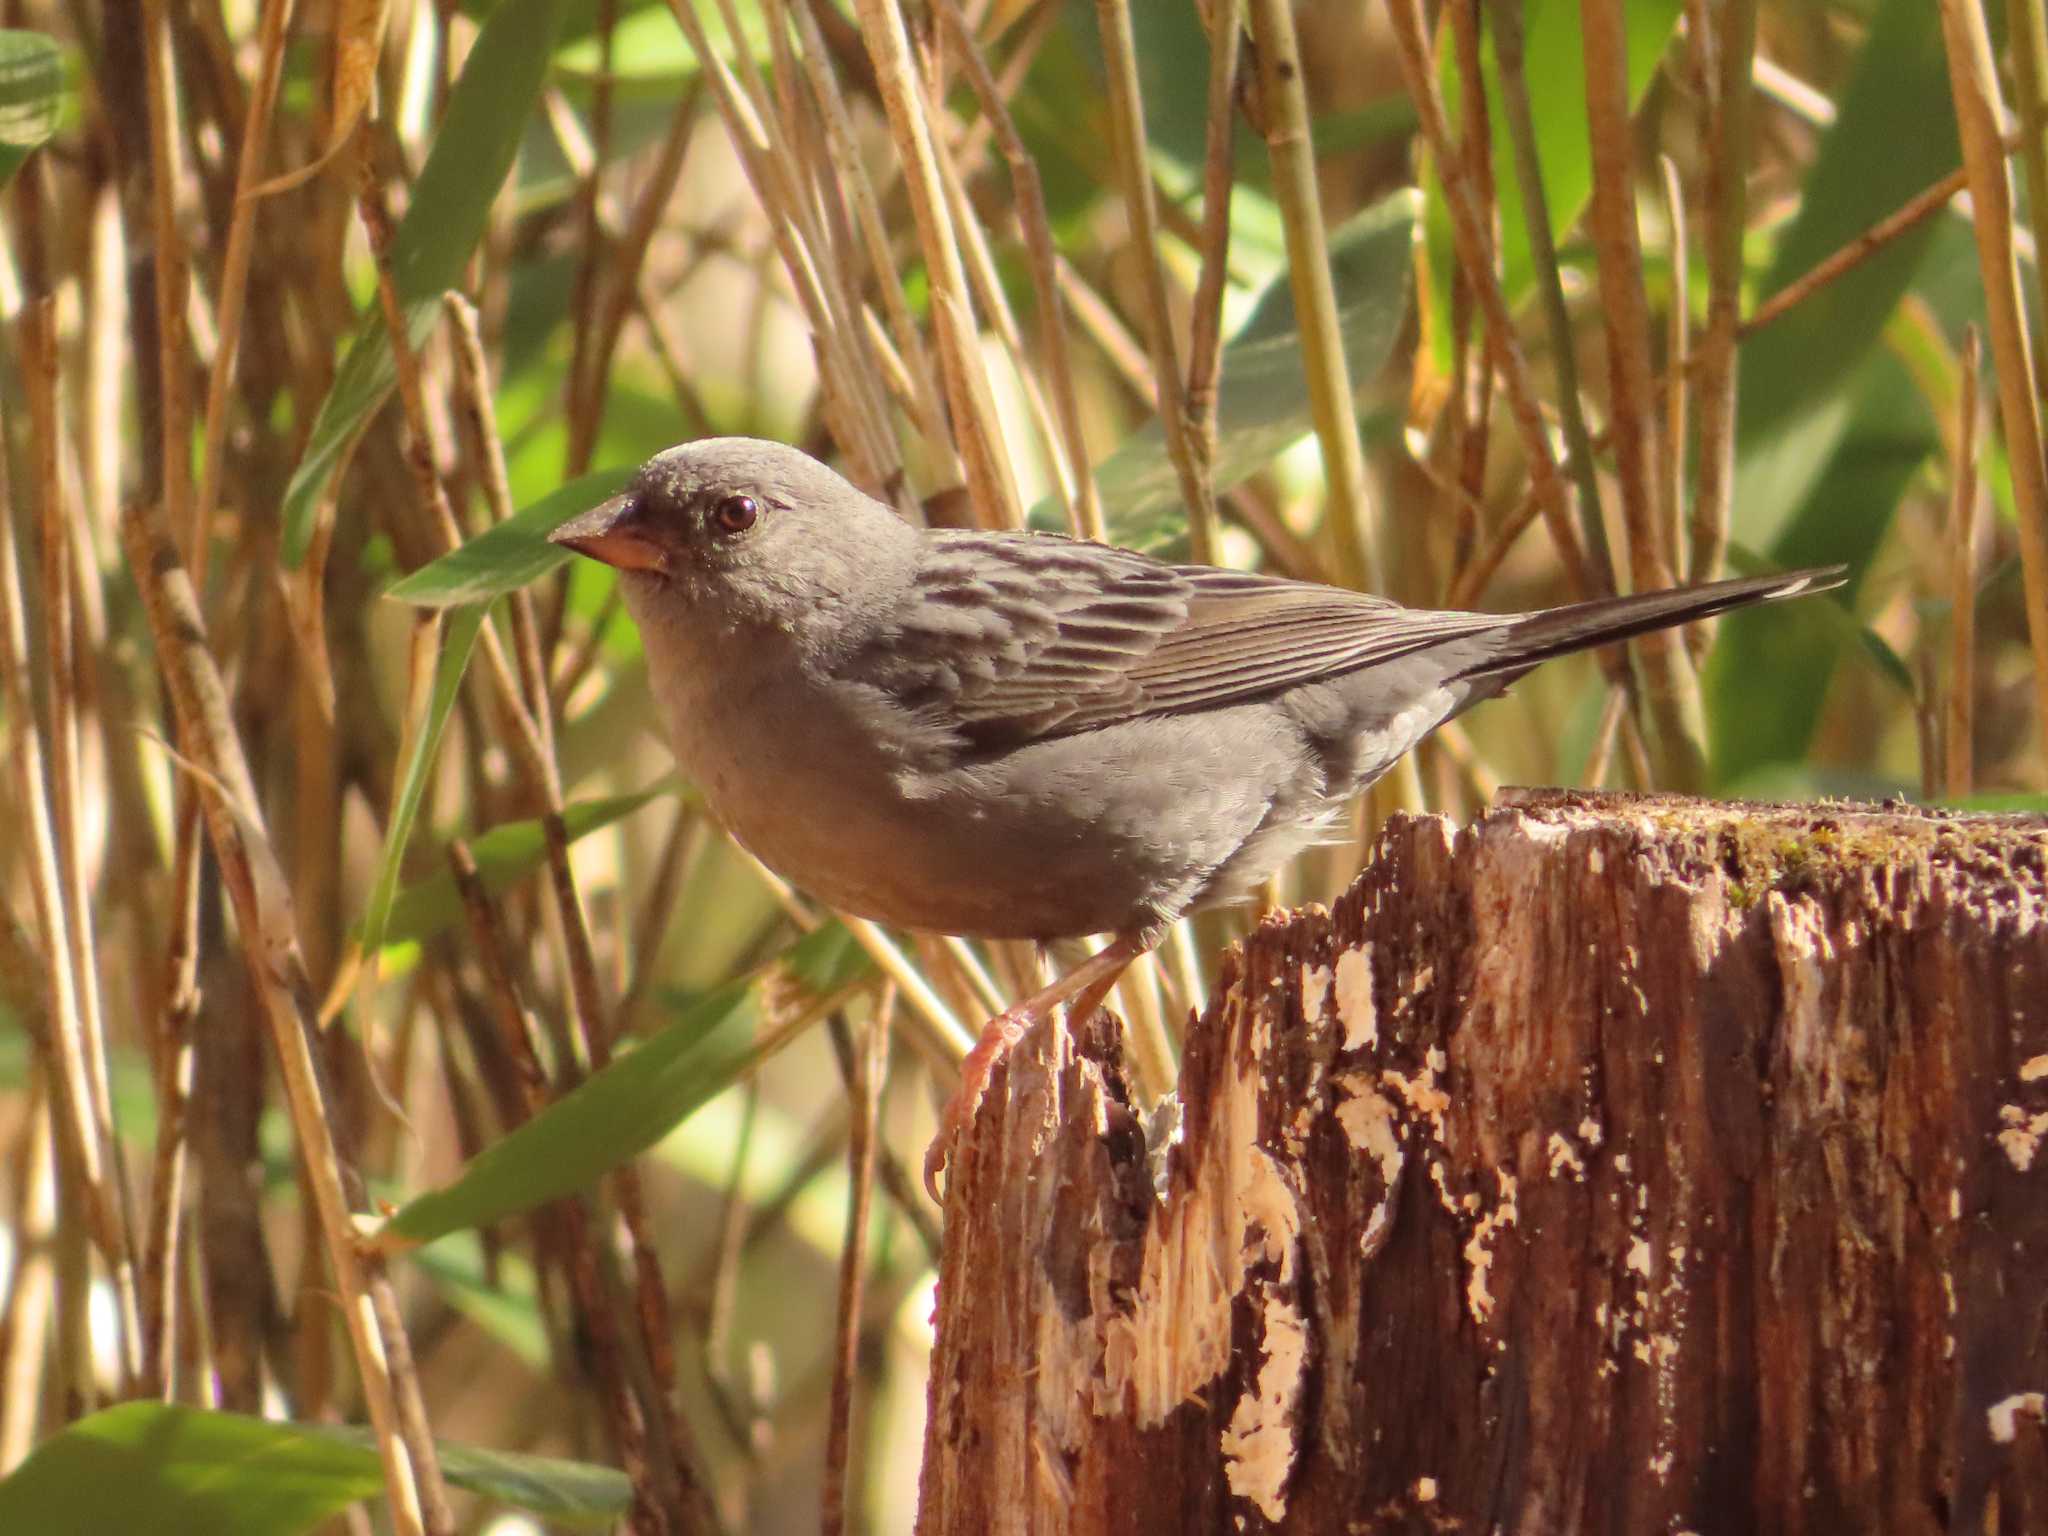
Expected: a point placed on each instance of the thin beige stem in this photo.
(1960, 721)
(172, 276)
(234, 273)
(842, 145)
(1469, 230)
(982, 453)
(80, 1035)
(257, 888)
(1084, 501)
(1116, 344)
(2027, 40)
(1205, 338)
(1521, 127)
(868, 1080)
(1331, 402)
(850, 405)
(1733, 29)
(1677, 348)
(1129, 160)
(1670, 692)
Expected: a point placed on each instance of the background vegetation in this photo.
(342, 879)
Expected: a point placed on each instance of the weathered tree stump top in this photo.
(1617, 1163)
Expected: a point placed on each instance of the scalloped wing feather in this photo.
(1006, 639)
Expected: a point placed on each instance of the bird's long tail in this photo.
(1579, 626)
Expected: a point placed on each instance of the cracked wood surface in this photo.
(1619, 1163)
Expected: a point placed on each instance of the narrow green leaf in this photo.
(508, 1310)
(1895, 134)
(508, 554)
(1843, 518)
(171, 1470)
(473, 151)
(456, 645)
(505, 855)
(1263, 404)
(31, 95)
(645, 1092)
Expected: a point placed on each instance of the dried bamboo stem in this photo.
(1732, 30)
(257, 887)
(1129, 160)
(77, 1035)
(982, 453)
(1331, 401)
(1219, 163)
(1671, 690)
(234, 275)
(1521, 126)
(1959, 722)
(867, 1082)
(1078, 489)
(1473, 252)
(1980, 114)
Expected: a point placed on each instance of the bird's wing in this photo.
(1007, 638)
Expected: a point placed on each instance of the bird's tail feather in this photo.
(1580, 626)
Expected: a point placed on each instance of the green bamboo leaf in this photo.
(1894, 134)
(449, 666)
(31, 95)
(1844, 517)
(645, 1092)
(504, 856)
(508, 554)
(171, 1470)
(1262, 403)
(507, 1307)
(472, 154)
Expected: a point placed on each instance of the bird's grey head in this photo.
(748, 526)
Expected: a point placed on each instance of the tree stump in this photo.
(1624, 1164)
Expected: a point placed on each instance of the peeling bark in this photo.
(1616, 1164)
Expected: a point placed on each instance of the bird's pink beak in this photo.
(613, 532)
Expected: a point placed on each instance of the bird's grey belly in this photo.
(1100, 831)
(1118, 827)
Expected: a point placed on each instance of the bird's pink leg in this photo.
(1087, 984)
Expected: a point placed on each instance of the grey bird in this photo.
(1019, 735)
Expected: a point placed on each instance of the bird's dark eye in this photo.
(735, 514)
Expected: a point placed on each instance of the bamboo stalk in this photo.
(257, 888)
(77, 1038)
(1677, 349)
(1726, 215)
(1128, 158)
(1028, 199)
(234, 274)
(866, 1084)
(927, 408)
(2027, 38)
(982, 452)
(1205, 339)
(172, 272)
(1521, 126)
(1671, 690)
(1959, 721)
(1980, 113)
(1331, 401)
(1473, 253)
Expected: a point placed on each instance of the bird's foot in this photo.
(997, 1036)
(1085, 986)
